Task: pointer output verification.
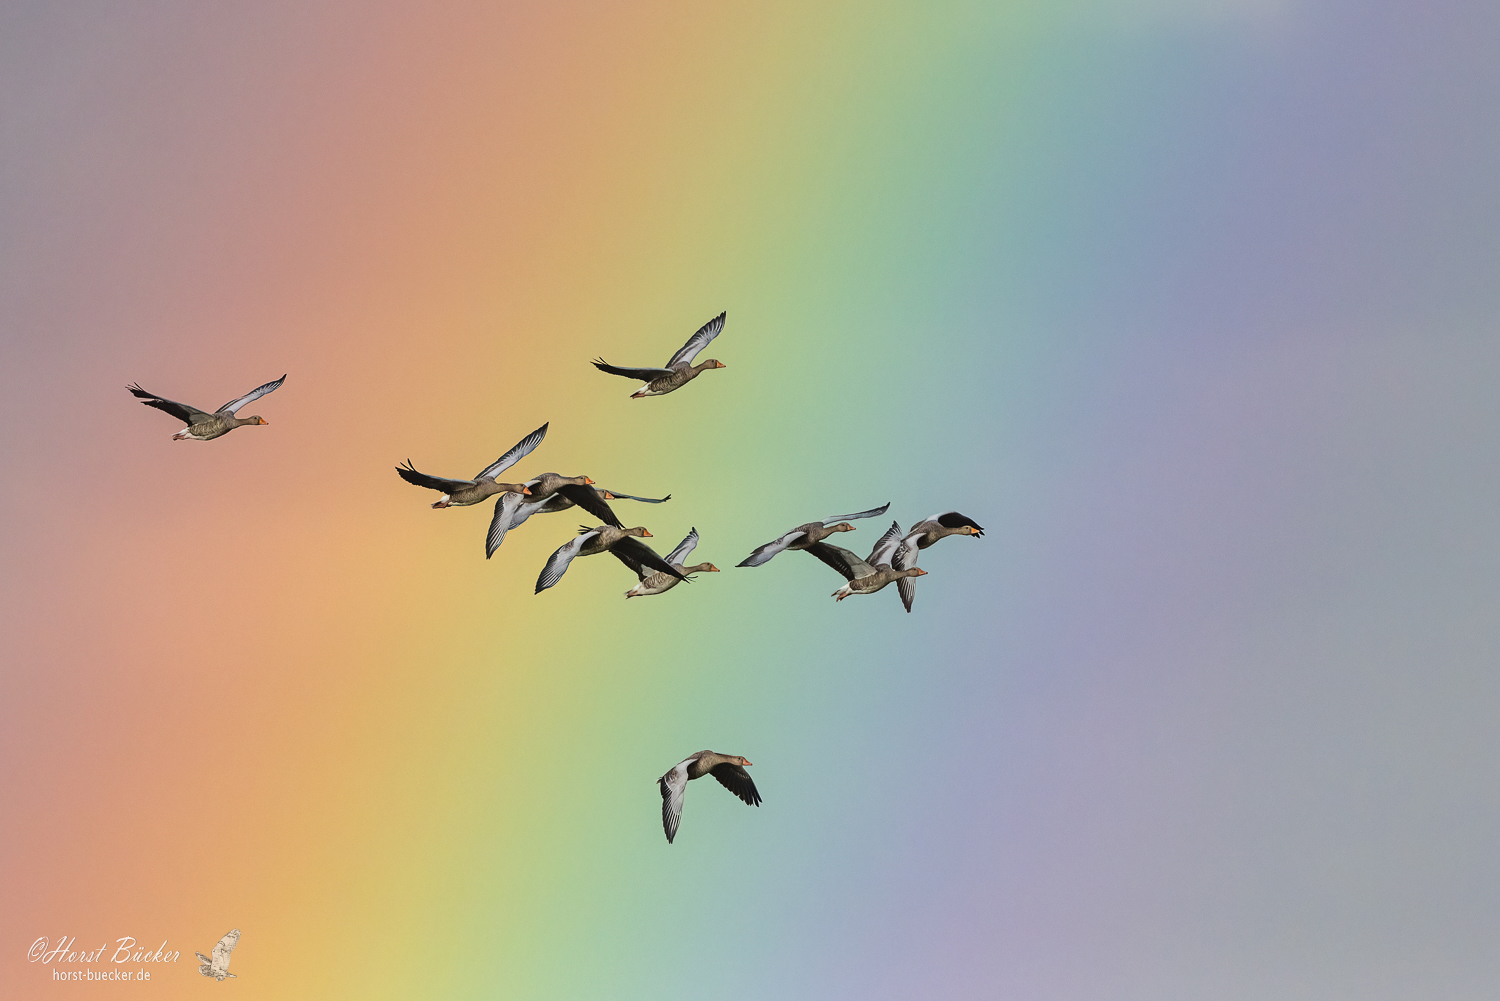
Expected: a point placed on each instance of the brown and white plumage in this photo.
(201, 425)
(869, 575)
(924, 534)
(622, 542)
(804, 536)
(679, 370)
(729, 769)
(659, 581)
(460, 493)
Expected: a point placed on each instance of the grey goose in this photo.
(924, 534)
(622, 542)
(679, 370)
(869, 575)
(461, 493)
(658, 581)
(201, 425)
(804, 536)
(729, 769)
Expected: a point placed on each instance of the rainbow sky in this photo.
(1191, 303)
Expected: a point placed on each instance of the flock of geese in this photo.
(893, 559)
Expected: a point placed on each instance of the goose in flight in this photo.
(656, 583)
(804, 536)
(461, 493)
(679, 370)
(866, 576)
(218, 966)
(623, 542)
(548, 494)
(203, 426)
(729, 769)
(922, 535)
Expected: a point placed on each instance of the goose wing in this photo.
(684, 548)
(557, 563)
(886, 546)
(590, 501)
(519, 451)
(252, 396)
(504, 519)
(764, 553)
(842, 560)
(639, 554)
(952, 519)
(410, 475)
(181, 411)
(698, 341)
(616, 495)
(673, 787)
(738, 781)
(643, 374)
(874, 512)
(906, 558)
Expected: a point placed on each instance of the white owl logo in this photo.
(218, 967)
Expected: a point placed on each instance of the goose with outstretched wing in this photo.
(655, 582)
(804, 536)
(461, 493)
(217, 966)
(549, 494)
(201, 425)
(729, 769)
(924, 534)
(623, 542)
(679, 370)
(870, 575)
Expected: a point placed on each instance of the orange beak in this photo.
(921, 572)
(712, 568)
(750, 763)
(264, 421)
(526, 491)
(608, 495)
(721, 365)
(645, 534)
(588, 481)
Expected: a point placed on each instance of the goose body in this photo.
(461, 493)
(679, 370)
(623, 542)
(805, 536)
(201, 425)
(922, 535)
(869, 575)
(659, 581)
(729, 769)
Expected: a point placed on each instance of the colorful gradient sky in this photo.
(1191, 303)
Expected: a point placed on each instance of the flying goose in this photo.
(656, 583)
(866, 576)
(603, 539)
(922, 535)
(805, 535)
(202, 426)
(548, 494)
(461, 493)
(679, 370)
(729, 769)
